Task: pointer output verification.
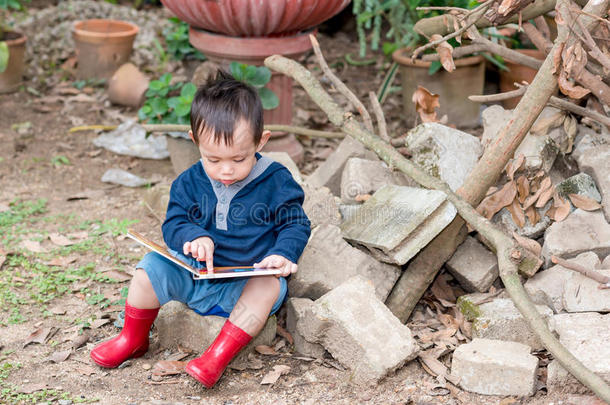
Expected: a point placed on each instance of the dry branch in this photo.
(381, 122)
(592, 274)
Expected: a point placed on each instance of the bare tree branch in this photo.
(381, 122)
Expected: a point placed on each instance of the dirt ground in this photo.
(58, 293)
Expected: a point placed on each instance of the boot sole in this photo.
(193, 374)
(101, 363)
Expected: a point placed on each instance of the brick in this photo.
(474, 267)
(295, 310)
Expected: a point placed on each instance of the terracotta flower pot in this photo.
(11, 78)
(517, 73)
(127, 86)
(453, 88)
(102, 46)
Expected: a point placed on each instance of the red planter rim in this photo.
(104, 29)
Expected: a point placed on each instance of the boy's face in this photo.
(228, 164)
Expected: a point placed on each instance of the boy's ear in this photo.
(192, 137)
(264, 138)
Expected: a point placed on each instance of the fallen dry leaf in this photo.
(272, 376)
(117, 275)
(32, 387)
(285, 334)
(425, 104)
(545, 124)
(445, 53)
(78, 235)
(98, 323)
(442, 290)
(584, 202)
(60, 240)
(86, 370)
(40, 336)
(560, 208)
(569, 88)
(545, 196)
(532, 215)
(58, 357)
(495, 202)
(523, 188)
(528, 244)
(517, 213)
(165, 367)
(33, 246)
(80, 340)
(514, 165)
(266, 350)
(60, 261)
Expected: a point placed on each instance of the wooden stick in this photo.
(543, 27)
(381, 122)
(537, 38)
(457, 52)
(486, 98)
(592, 274)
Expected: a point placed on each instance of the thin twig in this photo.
(457, 52)
(339, 85)
(459, 9)
(595, 51)
(487, 98)
(537, 38)
(592, 274)
(543, 27)
(381, 122)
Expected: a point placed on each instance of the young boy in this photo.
(233, 208)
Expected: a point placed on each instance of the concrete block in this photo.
(295, 310)
(329, 173)
(320, 206)
(581, 231)
(581, 294)
(361, 176)
(501, 320)
(177, 324)
(596, 162)
(495, 367)
(588, 139)
(328, 260)
(586, 336)
(397, 222)
(474, 267)
(539, 150)
(547, 287)
(581, 184)
(443, 152)
(285, 160)
(359, 331)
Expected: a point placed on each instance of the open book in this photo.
(200, 274)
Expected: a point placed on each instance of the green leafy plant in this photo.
(4, 55)
(16, 5)
(167, 103)
(256, 77)
(177, 40)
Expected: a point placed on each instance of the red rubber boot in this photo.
(208, 368)
(131, 342)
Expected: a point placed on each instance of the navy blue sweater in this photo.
(249, 220)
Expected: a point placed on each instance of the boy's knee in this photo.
(141, 280)
(267, 286)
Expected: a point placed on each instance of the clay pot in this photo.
(11, 78)
(517, 73)
(102, 46)
(127, 86)
(453, 88)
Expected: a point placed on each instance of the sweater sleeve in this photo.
(292, 225)
(183, 221)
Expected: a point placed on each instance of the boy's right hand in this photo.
(202, 249)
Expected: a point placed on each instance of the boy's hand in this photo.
(202, 249)
(278, 262)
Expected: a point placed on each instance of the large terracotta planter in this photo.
(517, 74)
(11, 78)
(102, 46)
(453, 88)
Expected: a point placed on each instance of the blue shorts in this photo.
(206, 297)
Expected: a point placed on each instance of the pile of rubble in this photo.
(369, 221)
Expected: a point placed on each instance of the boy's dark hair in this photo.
(221, 103)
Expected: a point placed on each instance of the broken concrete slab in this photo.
(581, 184)
(596, 162)
(285, 160)
(329, 173)
(501, 320)
(582, 294)
(588, 231)
(359, 331)
(397, 222)
(295, 310)
(178, 324)
(586, 336)
(320, 206)
(362, 176)
(473, 266)
(444, 152)
(495, 367)
(328, 261)
(547, 287)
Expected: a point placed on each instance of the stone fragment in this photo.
(606, 263)
(329, 172)
(539, 150)
(295, 310)
(528, 230)
(474, 267)
(285, 160)
(443, 152)
(581, 184)
(179, 325)
(587, 139)
(347, 211)
(494, 119)
(501, 320)
(359, 331)
(397, 222)
(495, 367)
(547, 287)
(361, 176)
(582, 294)
(581, 231)
(586, 336)
(320, 206)
(596, 162)
(328, 260)
(155, 200)
(123, 178)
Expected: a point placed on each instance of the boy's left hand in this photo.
(278, 262)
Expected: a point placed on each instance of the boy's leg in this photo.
(141, 293)
(255, 303)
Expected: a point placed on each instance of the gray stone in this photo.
(494, 118)
(547, 287)
(445, 153)
(586, 336)
(495, 367)
(361, 176)
(328, 260)
(182, 153)
(179, 325)
(539, 150)
(587, 140)
(596, 162)
(582, 294)
(501, 320)
(474, 267)
(581, 231)
(359, 331)
(285, 160)
(581, 184)
(397, 222)
(328, 174)
(606, 263)
(347, 211)
(295, 310)
(156, 199)
(320, 206)
(528, 230)
(123, 178)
